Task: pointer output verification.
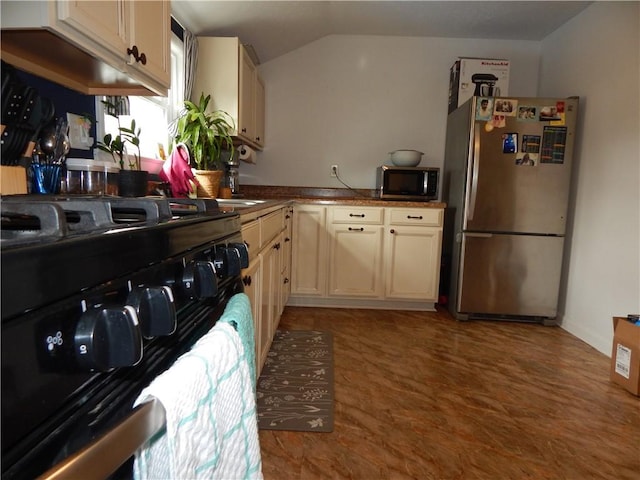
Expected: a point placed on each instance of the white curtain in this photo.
(190, 62)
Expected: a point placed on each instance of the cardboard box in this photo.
(625, 357)
(462, 87)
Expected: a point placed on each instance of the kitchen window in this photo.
(153, 115)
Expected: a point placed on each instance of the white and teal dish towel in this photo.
(238, 314)
(211, 422)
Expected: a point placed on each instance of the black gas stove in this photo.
(99, 296)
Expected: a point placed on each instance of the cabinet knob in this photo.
(244, 130)
(139, 57)
(392, 231)
(246, 280)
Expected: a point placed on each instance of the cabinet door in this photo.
(246, 122)
(101, 27)
(413, 262)
(251, 277)
(269, 296)
(150, 31)
(309, 257)
(285, 266)
(355, 260)
(259, 111)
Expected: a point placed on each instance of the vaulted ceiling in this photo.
(277, 27)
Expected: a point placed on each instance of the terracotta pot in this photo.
(133, 183)
(209, 183)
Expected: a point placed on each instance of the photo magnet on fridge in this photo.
(484, 108)
(527, 113)
(506, 107)
(509, 142)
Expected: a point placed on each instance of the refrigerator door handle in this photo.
(479, 235)
(475, 166)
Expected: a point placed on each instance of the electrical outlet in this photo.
(334, 170)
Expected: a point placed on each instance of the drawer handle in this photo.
(246, 280)
(359, 215)
(361, 229)
(414, 218)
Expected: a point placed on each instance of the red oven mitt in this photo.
(177, 172)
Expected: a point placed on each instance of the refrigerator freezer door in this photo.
(503, 195)
(510, 275)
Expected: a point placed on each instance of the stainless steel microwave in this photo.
(408, 183)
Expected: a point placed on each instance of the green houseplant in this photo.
(132, 182)
(207, 135)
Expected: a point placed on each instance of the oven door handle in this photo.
(106, 454)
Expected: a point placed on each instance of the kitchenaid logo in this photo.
(496, 63)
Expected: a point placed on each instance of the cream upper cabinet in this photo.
(309, 252)
(355, 251)
(227, 73)
(259, 111)
(150, 33)
(84, 45)
(412, 254)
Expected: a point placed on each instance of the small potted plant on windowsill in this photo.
(132, 182)
(207, 135)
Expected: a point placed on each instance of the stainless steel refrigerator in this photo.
(506, 179)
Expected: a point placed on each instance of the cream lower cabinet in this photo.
(252, 278)
(309, 251)
(366, 257)
(355, 251)
(412, 253)
(265, 279)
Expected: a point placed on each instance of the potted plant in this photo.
(207, 135)
(132, 182)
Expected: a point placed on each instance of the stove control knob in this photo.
(156, 310)
(227, 261)
(199, 279)
(243, 251)
(107, 337)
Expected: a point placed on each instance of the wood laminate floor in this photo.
(420, 395)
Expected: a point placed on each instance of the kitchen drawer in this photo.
(251, 236)
(416, 216)
(359, 215)
(271, 225)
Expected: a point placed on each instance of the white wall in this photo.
(596, 56)
(349, 100)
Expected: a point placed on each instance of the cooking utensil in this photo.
(406, 158)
